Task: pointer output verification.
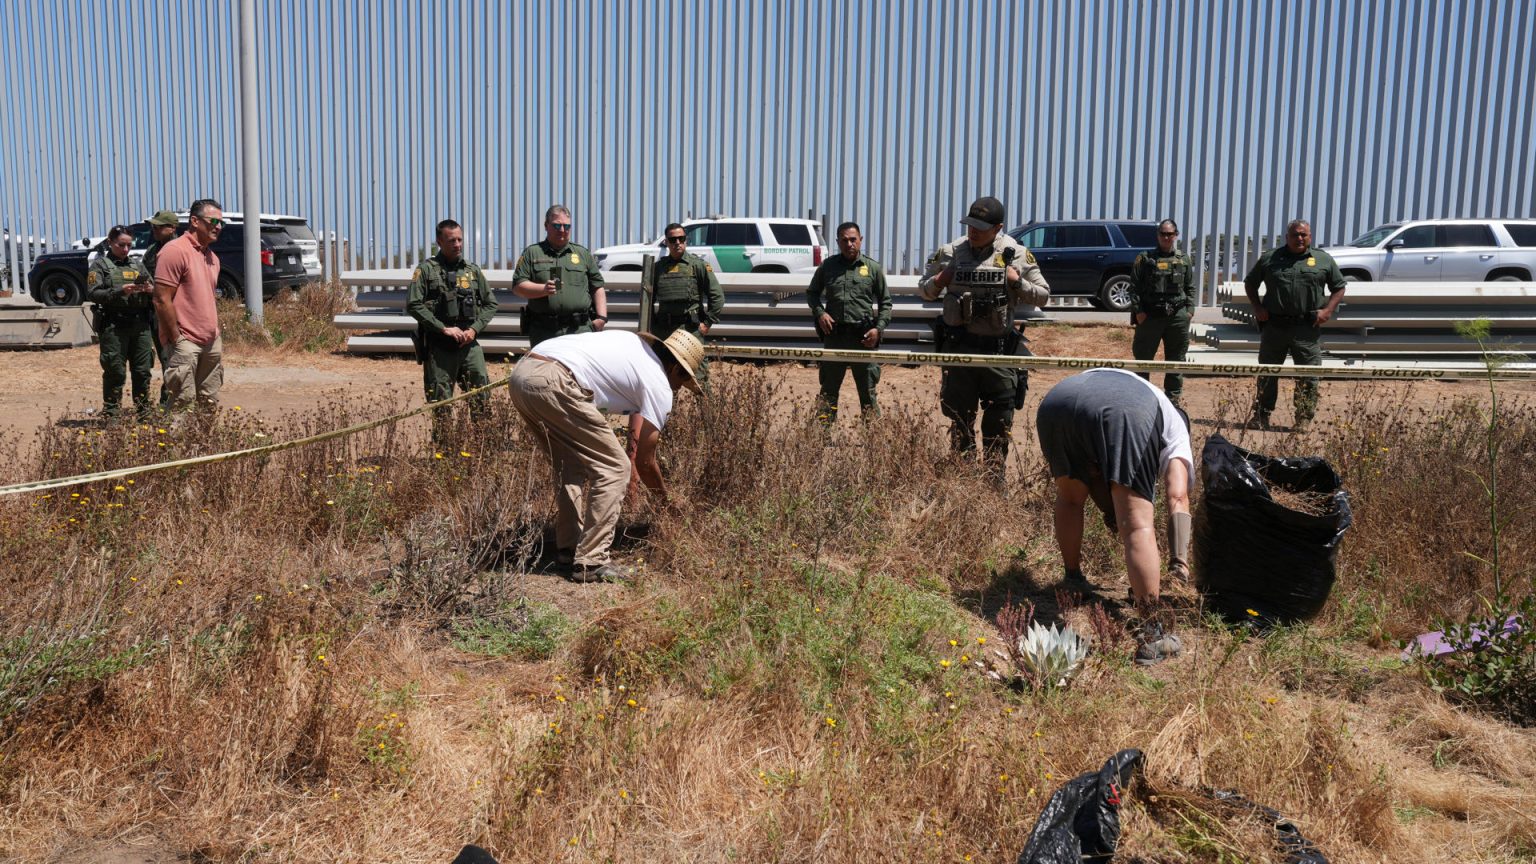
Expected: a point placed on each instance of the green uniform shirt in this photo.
(578, 274)
(1158, 277)
(107, 278)
(852, 292)
(450, 294)
(152, 255)
(1294, 283)
(688, 285)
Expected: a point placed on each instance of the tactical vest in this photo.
(457, 295)
(118, 276)
(1165, 279)
(677, 284)
(976, 300)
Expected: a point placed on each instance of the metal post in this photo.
(250, 155)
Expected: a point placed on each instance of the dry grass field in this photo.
(353, 651)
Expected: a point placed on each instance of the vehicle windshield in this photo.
(1375, 235)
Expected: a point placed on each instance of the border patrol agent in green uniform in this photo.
(851, 305)
(162, 230)
(561, 283)
(124, 296)
(1163, 282)
(452, 305)
(1292, 313)
(687, 294)
(982, 277)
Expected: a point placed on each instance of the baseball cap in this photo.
(686, 349)
(985, 213)
(163, 217)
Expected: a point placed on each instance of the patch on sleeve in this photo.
(1029, 257)
(90, 278)
(416, 274)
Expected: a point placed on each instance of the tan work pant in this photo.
(591, 468)
(194, 371)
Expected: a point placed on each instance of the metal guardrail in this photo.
(1401, 318)
(761, 310)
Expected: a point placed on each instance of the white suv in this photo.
(1442, 250)
(734, 246)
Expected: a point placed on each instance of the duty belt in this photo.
(129, 314)
(977, 344)
(858, 328)
(561, 317)
(1303, 318)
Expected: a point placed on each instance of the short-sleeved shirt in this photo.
(623, 373)
(107, 279)
(1295, 284)
(1112, 422)
(579, 277)
(852, 292)
(194, 272)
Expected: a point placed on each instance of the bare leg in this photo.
(1070, 495)
(1134, 516)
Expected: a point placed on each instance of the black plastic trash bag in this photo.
(1081, 822)
(1255, 559)
(474, 855)
(1295, 846)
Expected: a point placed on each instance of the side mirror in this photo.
(1396, 243)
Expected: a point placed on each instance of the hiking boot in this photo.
(1076, 581)
(1179, 571)
(1155, 644)
(600, 573)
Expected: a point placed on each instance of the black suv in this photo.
(58, 278)
(1089, 258)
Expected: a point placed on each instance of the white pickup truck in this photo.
(1442, 250)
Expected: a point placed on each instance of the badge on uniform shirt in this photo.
(130, 275)
(1162, 265)
(1311, 262)
(674, 268)
(998, 261)
(863, 269)
(464, 281)
(575, 259)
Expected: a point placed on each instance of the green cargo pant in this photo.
(663, 326)
(445, 365)
(129, 340)
(1173, 332)
(961, 391)
(1276, 340)
(866, 376)
(539, 329)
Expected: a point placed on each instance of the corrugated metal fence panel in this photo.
(382, 117)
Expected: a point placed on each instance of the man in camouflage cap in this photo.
(851, 306)
(688, 296)
(452, 305)
(124, 296)
(561, 282)
(982, 276)
(162, 230)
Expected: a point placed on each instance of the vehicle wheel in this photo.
(1115, 295)
(61, 289)
(228, 289)
(1508, 277)
(1352, 276)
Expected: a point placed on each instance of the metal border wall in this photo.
(382, 116)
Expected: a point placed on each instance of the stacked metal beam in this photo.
(1401, 318)
(761, 310)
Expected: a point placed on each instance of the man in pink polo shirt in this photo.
(186, 274)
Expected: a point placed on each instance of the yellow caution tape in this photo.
(1000, 361)
(119, 473)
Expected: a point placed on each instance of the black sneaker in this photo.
(1154, 644)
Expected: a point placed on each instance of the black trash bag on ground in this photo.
(1081, 822)
(474, 855)
(1297, 848)
(1256, 559)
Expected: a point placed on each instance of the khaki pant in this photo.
(195, 372)
(591, 467)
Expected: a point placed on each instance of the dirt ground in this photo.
(64, 385)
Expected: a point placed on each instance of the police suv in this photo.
(734, 245)
(1441, 250)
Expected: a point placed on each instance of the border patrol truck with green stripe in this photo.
(734, 245)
